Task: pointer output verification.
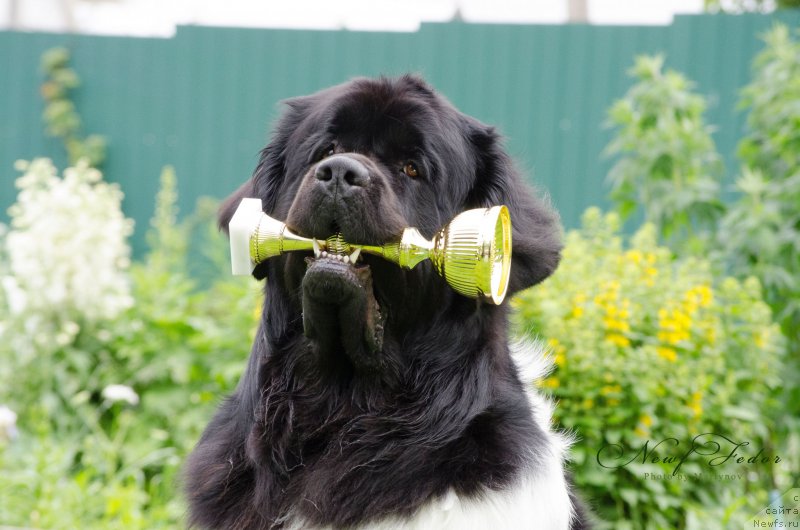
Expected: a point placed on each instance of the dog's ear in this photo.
(536, 232)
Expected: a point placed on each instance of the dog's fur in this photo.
(377, 397)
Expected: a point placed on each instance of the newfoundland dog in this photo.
(377, 397)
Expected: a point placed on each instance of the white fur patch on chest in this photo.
(539, 501)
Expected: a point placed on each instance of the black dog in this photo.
(377, 397)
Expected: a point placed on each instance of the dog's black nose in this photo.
(342, 172)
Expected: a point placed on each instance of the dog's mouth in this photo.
(339, 305)
(334, 248)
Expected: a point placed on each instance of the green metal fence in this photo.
(203, 100)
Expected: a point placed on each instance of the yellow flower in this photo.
(646, 420)
(650, 276)
(613, 402)
(634, 256)
(616, 314)
(550, 382)
(556, 348)
(257, 310)
(695, 403)
(641, 433)
(619, 340)
(616, 324)
(674, 326)
(588, 403)
(704, 294)
(759, 339)
(577, 311)
(610, 389)
(698, 296)
(559, 359)
(666, 353)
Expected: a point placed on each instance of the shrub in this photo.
(668, 164)
(760, 233)
(649, 347)
(67, 257)
(106, 410)
(757, 233)
(60, 114)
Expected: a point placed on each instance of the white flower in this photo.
(15, 297)
(125, 393)
(8, 423)
(67, 250)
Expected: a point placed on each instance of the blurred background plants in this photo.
(650, 346)
(690, 325)
(60, 116)
(110, 399)
(687, 325)
(667, 163)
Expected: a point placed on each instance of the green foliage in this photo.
(667, 163)
(60, 114)
(648, 347)
(747, 6)
(168, 240)
(86, 457)
(760, 233)
(773, 144)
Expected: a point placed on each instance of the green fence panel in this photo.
(204, 100)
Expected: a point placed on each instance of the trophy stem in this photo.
(408, 252)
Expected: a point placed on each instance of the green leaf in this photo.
(630, 496)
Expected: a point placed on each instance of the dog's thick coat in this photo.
(377, 397)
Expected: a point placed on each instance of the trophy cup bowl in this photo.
(472, 252)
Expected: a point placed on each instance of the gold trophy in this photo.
(473, 252)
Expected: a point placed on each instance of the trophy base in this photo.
(240, 229)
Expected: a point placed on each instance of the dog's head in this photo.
(367, 159)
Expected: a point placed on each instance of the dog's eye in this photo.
(410, 169)
(328, 151)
